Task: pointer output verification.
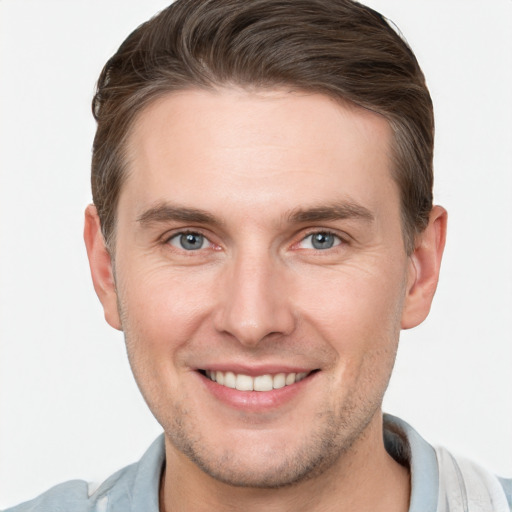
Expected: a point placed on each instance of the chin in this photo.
(257, 461)
(276, 470)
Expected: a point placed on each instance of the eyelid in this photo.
(169, 235)
(178, 240)
(342, 239)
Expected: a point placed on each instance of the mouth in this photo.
(265, 382)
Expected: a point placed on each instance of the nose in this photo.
(254, 300)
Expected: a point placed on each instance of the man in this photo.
(262, 229)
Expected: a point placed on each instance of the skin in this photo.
(267, 169)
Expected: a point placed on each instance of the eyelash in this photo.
(168, 239)
(339, 240)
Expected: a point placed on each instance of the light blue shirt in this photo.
(135, 488)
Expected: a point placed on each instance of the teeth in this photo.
(229, 379)
(279, 380)
(265, 382)
(244, 383)
(290, 379)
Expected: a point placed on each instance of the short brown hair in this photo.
(340, 48)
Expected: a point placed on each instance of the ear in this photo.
(424, 266)
(101, 267)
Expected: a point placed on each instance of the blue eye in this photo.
(189, 241)
(320, 241)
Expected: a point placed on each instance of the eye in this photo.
(320, 240)
(189, 241)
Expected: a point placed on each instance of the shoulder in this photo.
(134, 487)
(77, 495)
(462, 481)
(506, 483)
(440, 480)
(69, 496)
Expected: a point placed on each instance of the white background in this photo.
(68, 404)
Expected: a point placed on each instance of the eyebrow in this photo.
(338, 211)
(167, 213)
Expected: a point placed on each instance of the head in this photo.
(262, 178)
(340, 48)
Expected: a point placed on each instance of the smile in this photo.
(265, 382)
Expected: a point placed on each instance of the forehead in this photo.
(237, 148)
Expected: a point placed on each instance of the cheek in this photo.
(160, 314)
(358, 315)
(354, 304)
(162, 308)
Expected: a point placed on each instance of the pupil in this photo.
(191, 241)
(323, 241)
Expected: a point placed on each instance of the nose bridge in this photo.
(255, 302)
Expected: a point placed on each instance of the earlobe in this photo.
(424, 267)
(100, 264)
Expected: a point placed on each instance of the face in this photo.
(261, 277)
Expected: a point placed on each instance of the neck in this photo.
(365, 478)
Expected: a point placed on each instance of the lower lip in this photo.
(256, 400)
